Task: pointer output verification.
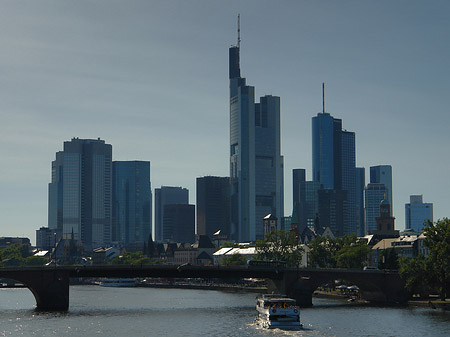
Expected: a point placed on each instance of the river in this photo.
(113, 312)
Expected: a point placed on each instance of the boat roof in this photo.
(276, 298)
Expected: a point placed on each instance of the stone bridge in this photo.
(50, 285)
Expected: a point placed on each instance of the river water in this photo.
(101, 311)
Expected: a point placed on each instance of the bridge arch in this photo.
(50, 288)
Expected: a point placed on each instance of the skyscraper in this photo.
(132, 204)
(373, 196)
(80, 192)
(213, 205)
(167, 195)
(179, 223)
(382, 174)
(256, 164)
(360, 186)
(417, 213)
(333, 165)
(298, 177)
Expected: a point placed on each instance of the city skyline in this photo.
(128, 73)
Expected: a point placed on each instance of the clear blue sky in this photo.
(151, 78)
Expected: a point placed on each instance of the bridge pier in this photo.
(50, 289)
(295, 287)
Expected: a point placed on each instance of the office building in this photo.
(373, 195)
(179, 223)
(132, 211)
(309, 204)
(80, 200)
(382, 174)
(332, 205)
(45, 238)
(298, 177)
(417, 213)
(213, 205)
(256, 164)
(360, 186)
(334, 168)
(167, 195)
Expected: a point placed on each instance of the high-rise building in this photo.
(179, 223)
(334, 167)
(332, 205)
(213, 205)
(167, 195)
(360, 186)
(373, 195)
(132, 204)
(309, 204)
(80, 192)
(382, 174)
(256, 164)
(349, 181)
(417, 213)
(298, 177)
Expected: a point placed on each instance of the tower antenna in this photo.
(239, 32)
(323, 97)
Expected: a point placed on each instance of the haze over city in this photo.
(151, 78)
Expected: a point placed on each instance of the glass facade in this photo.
(323, 154)
(132, 211)
(373, 196)
(382, 174)
(80, 192)
(417, 213)
(256, 165)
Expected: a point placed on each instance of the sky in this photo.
(151, 78)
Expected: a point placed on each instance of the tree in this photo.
(131, 258)
(280, 246)
(321, 253)
(344, 252)
(414, 272)
(437, 240)
(389, 259)
(234, 260)
(353, 253)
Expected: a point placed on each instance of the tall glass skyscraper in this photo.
(373, 196)
(132, 211)
(334, 168)
(382, 174)
(256, 164)
(80, 192)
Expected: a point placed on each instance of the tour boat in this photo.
(278, 311)
(118, 282)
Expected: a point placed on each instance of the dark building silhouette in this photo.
(132, 211)
(167, 195)
(213, 205)
(179, 223)
(332, 204)
(298, 177)
(45, 238)
(360, 187)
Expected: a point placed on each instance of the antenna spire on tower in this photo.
(239, 31)
(323, 97)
